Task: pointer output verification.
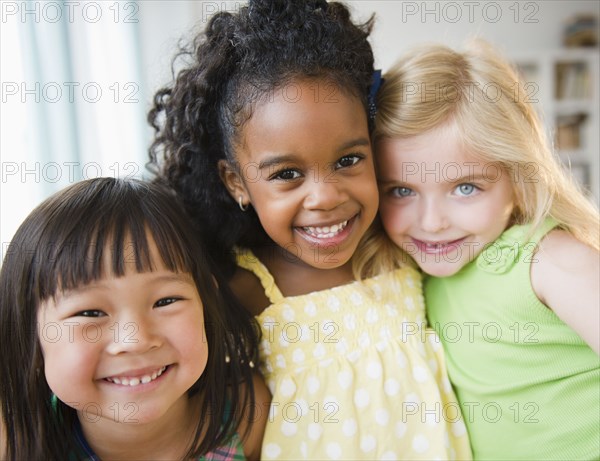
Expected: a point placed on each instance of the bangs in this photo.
(104, 233)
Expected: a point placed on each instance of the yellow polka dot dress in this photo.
(355, 374)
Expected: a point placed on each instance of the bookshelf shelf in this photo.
(572, 105)
(566, 88)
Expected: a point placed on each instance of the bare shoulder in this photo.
(564, 276)
(252, 441)
(247, 288)
(561, 253)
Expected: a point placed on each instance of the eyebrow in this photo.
(276, 159)
(355, 143)
(407, 180)
(469, 178)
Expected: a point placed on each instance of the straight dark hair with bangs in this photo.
(61, 245)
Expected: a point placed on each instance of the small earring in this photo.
(242, 206)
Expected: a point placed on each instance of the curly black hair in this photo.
(235, 62)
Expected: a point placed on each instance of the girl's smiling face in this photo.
(439, 203)
(125, 349)
(305, 164)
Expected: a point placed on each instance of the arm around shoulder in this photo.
(564, 276)
(252, 441)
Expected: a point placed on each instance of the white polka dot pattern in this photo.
(355, 374)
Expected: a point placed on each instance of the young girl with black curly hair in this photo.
(265, 136)
(116, 342)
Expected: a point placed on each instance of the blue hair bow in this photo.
(375, 85)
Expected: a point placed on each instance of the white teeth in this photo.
(325, 231)
(136, 381)
(435, 245)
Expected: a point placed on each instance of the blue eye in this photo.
(466, 189)
(402, 192)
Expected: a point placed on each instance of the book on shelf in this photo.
(568, 130)
(581, 31)
(572, 80)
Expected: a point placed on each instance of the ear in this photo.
(233, 182)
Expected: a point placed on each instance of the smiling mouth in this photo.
(133, 381)
(437, 247)
(325, 232)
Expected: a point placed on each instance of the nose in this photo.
(324, 193)
(135, 335)
(433, 216)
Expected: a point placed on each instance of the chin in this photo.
(328, 263)
(442, 270)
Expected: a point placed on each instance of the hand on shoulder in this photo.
(564, 276)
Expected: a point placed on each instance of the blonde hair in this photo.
(482, 95)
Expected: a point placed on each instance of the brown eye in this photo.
(165, 302)
(285, 175)
(91, 313)
(348, 160)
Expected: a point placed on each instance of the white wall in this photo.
(519, 28)
(511, 25)
(158, 25)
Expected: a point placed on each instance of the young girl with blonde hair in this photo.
(471, 190)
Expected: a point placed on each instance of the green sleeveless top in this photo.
(528, 385)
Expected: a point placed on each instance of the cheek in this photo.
(69, 347)
(69, 362)
(263, 198)
(192, 343)
(487, 220)
(505, 199)
(370, 192)
(394, 218)
(276, 215)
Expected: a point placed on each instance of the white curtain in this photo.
(73, 102)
